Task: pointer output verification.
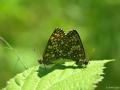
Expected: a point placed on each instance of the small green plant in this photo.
(59, 77)
(8, 46)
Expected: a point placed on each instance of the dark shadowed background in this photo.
(27, 25)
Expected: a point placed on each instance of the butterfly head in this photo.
(40, 61)
(82, 63)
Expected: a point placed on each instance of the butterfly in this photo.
(61, 45)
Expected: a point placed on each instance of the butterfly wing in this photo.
(53, 49)
(64, 46)
(73, 48)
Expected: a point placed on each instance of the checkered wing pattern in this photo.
(53, 49)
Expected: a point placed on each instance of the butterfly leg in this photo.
(45, 67)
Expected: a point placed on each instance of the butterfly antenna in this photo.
(36, 51)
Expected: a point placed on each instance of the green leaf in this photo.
(59, 77)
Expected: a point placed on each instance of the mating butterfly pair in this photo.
(61, 45)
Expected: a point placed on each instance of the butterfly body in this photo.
(67, 46)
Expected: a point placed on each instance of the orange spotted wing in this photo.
(67, 46)
(53, 49)
(73, 48)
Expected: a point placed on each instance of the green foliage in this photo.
(27, 24)
(59, 77)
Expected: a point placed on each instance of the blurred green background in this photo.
(27, 25)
